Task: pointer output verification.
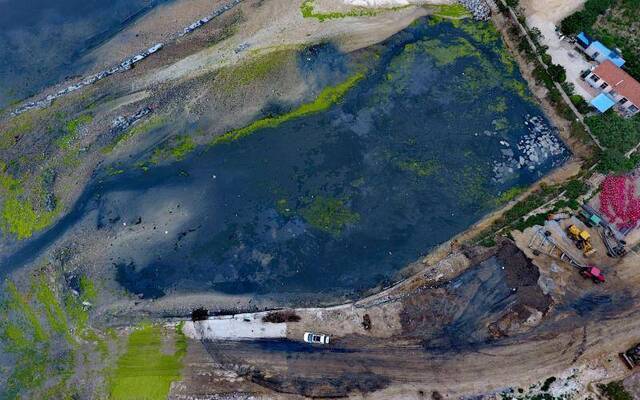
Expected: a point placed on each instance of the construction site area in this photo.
(552, 310)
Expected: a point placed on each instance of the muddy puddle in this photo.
(427, 143)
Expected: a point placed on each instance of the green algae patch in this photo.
(420, 168)
(151, 124)
(499, 106)
(18, 214)
(328, 97)
(329, 215)
(144, 371)
(448, 54)
(307, 10)
(481, 32)
(451, 11)
(176, 148)
(509, 195)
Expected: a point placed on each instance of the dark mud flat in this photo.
(482, 304)
(42, 42)
(336, 202)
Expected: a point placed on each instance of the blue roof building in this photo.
(583, 40)
(603, 102)
(601, 53)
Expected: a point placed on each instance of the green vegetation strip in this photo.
(308, 11)
(328, 97)
(144, 371)
(514, 217)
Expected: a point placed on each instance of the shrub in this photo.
(557, 72)
(584, 19)
(615, 391)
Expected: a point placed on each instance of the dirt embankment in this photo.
(577, 147)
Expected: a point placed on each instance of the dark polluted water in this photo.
(337, 202)
(42, 42)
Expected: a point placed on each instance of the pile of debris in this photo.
(121, 123)
(478, 8)
(90, 80)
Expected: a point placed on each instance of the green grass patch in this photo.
(329, 215)
(151, 124)
(327, 97)
(144, 372)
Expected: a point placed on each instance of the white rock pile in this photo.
(532, 150)
(478, 8)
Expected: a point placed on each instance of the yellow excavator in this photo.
(582, 239)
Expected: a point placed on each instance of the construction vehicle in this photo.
(631, 357)
(542, 242)
(615, 246)
(582, 239)
(592, 273)
(612, 238)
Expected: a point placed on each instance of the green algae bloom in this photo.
(420, 168)
(19, 215)
(329, 215)
(327, 98)
(144, 371)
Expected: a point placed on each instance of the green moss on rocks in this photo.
(327, 98)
